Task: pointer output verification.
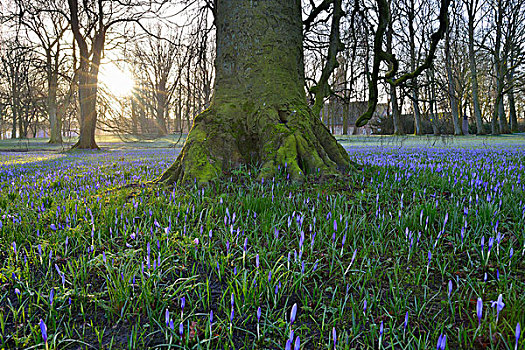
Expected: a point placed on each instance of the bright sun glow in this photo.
(117, 82)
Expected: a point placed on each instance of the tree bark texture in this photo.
(87, 78)
(55, 134)
(473, 70)
(451, 87)
(258, 114)
(396, 113)
(415, 89)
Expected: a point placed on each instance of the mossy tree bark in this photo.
(259, 114)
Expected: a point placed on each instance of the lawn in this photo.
(425, 240)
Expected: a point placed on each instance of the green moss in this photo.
(199, 163)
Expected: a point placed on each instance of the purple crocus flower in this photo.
(182, 303)
(518, 331)
(258, 314)
(257, 261)
(17, 291)
(442, 342)
(364, 307)
(449, 288)
(353, 257)
(479, 310)
(167, 317)
(334, 336)
(288, 345)
(51, 296)
(406, 321)
(293, 313)
(211, 317)
(499, 306)
(297, 345)
(491, 243)
(43, 329)
(181, 329)
(381, 328)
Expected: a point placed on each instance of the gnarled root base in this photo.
(275, 137)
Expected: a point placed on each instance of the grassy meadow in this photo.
(421, 247)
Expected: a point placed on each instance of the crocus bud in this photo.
(479, 310)
(297, 345)
(293, 313)
(518, 331)
(43, 329)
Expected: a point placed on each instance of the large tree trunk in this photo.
(259, 114)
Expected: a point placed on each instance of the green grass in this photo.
(107, 295)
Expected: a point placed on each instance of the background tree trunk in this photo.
(396, 112)
(55, 132)
(512, 104)
(451, 87)
(471, 12)
(346, 110)
(258, 114)
(433, 108)
(415, 93)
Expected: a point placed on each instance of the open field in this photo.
(406, 249)
(108, 142)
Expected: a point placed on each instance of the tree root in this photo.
(275, 137)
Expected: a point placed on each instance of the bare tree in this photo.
(90, 22)
(473, 8)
